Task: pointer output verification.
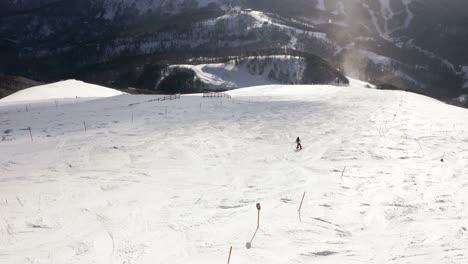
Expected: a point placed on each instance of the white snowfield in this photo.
(181, 186)
(69, 89)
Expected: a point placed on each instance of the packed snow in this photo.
(70, 89)
(359, 83)
(385, 176)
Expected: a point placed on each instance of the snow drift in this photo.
(61, 90)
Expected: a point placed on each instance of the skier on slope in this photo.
(299, 145)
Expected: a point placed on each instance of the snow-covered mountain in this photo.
(131, 179)
(416, 45)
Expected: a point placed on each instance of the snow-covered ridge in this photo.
(233, 29)
(236, 21)
(60, 90)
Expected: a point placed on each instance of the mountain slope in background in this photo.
(410, 44)
(238, 72)
(12, 84)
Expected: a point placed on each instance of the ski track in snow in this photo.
(181, 187)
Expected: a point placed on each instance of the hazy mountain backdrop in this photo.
(417, 45)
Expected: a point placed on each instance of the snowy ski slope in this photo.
(179, 181)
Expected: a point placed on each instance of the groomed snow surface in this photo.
(70, 89)
(181, 186)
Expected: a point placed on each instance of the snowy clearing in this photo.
(249, 71)
(385, 175)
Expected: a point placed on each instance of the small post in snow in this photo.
(166, 111)
(229, 258)
(342, 173)
(30, 133)
(26, 106)
(300, 206)
(396, 113)
(248, 245)
(56, 104)
(84, 125)
(76, 99)
(442, 159)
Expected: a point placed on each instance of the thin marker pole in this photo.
(229, 258)
(300, 206)
(342, 173)
(30, 133)
(258, 218)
